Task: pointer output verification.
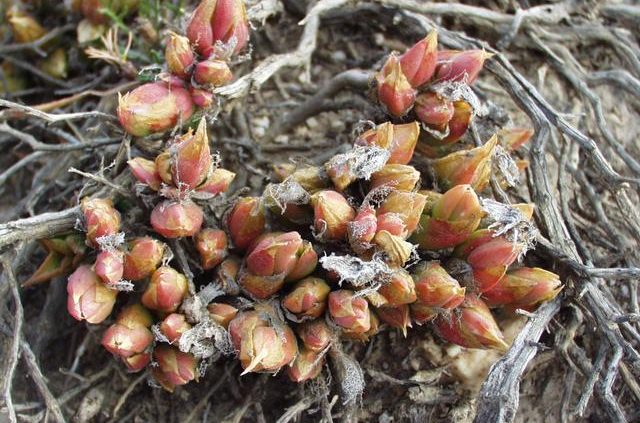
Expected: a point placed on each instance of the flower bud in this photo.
(397, 176)
(524, 288)
(362, 229)
(24, 27)
(192, 158)
(471, 326)
(261, 287)
(218, 20)
(308, 299)
(173, 326)
(307, 260)
(100, 218)
(154, 107)
(166, 290)
(435, 288)
(88, 298)
(374, 328)
(431, 143)
(311, 178)
(331, 213)
(275, 254)
(422, 313)
(145, 172)
(109, 266)
(399, 140)
(201, 98)
(222, 313)
(419, 62)
(399, 290)
(315, 335)
(226, 275)
(212, 72)
(471, 167)
(178, 55)
(173, 219)
(143, 257)
(452, 219)
(434, 110)
(397, 317)
(217, 182)
(349, 312)
(307, 365)
(392, 223)
(174, 367)
(407, 205)
(460, 66)
(137, 362)
(262, 346)
(339, 171)
(397, 251)
(395, 92)
(212, 246)
(246, 221)
(514, 138)
(130, 334)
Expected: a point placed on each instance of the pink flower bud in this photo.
(419, 62)
(154, 107)
(218, 20)
(246, 221)
(308, 299)
(349, 312)
(461, 66)
(407, 205)
(261, 287)
(275, 254)
(88, 298)
(212, 72)
(217, 182)
(396, 250)
(222, 313)
(173, 219)
(524, 288)
(143, 257)
(374, 328)
(399, 140)
(362, 229)
(178, 55)
(434, 110)
(100, 219)
(192, 158)
(471, 326)
(399, 290)
(173, 326)
(392, 223)
(130, 334)
(431, 145)
(397, 317)
(307, 365)
(397, 176)
(109, 266)
(514, 138)
(201, 98)
(166, 290)
(471, 167)
(315, 335)
(174, 367)
(212, 246)
(307, 260)
(137, 362)
(145, 172)
(395, 92)
(332, 213)
(435, 288)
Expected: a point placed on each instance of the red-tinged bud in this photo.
(24, 27)
(173, 219)
(110, 266)
(154, 107)
(399, 140)
(166, 290)
(274, 255)
(202, 98)
(395, 92)
(434, 110)
(349, 312)
(362, 229)
(192, 158)
(311, 178)
(307, 260)
(307, 365)
(407, 205)
(315, 335)
(397, 176)
(130, 334)
(145, 172)
(398, 317)
(212, 72)
(433, 144)
(262, 346)
(471, 326)
(460, 66)
(137, 362)
(226, 275)
(100, 219)
(435, 288)
(397, 251)
(471, 167)
(178, 55)
(514, 138)
(246, 221)
(173, 326)
(88, 298)
(489, 257)
(222, 313)
(144, 256)
(421, 313)
(452, 219)
(212, 246)
(261, 287)
(419, 62)
(392, 223)
(218, 20)
(175, 368)
(399, 290)
(524, 288)
(308, 299)
(331, 213)
(374, 328)
(217, 182)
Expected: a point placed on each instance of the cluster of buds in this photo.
(196, 65)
